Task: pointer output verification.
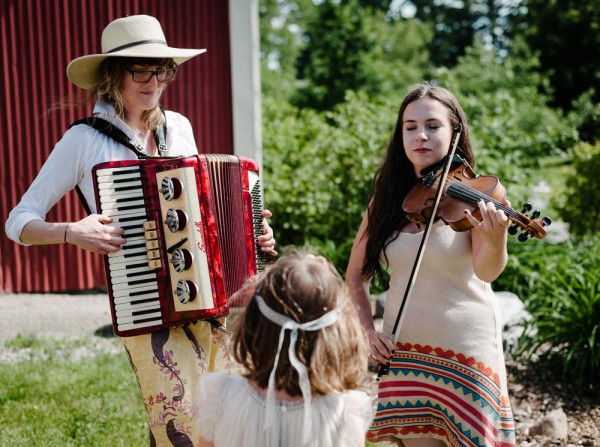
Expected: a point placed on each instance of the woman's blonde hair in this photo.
(302, 287)
(111, 76)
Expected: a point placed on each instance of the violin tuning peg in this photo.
(512, 230)
(523, 237)
(535, 214)
(526, 208)
(546, 221)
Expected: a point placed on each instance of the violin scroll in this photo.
(530, 226)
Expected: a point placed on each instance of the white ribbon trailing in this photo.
(288, 324)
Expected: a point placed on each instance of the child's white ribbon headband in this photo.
(288, 324)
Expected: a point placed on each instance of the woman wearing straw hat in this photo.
(127, 80)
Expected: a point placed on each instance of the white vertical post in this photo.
(245, 78)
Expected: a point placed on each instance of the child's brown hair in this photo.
(302, 287)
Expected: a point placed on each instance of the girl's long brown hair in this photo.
(396, 177)
(302, 287)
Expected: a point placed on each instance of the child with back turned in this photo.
(304, 359)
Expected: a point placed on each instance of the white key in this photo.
(125, 218)
(134, 311)
(111, 186)
(118, 273)
(130, 301)
(133, 318)
(131, 326)
(128, 294)
(112, 174)
(115, 263)
(112, 196)
(119, 284)
(110, 206)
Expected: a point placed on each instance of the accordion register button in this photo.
(152, 245)
(186, 291)
(149, 225)
(154, 254)
(181, 259)
(151, 235)
(171, 188)
(155, 264)
(176, 220)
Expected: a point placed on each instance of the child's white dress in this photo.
(233, 414)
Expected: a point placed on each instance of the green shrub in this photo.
(579, 206)
(319, 168)
(560, 288)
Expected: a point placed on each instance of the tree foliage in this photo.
(458, 24)
(334, 64)
(349, 47)
(281, 27)
(566, 34)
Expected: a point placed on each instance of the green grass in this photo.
(54, 400)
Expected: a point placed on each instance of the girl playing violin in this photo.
(446, 383)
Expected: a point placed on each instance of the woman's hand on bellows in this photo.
(381, 348)
(94, 233)
(267, 241)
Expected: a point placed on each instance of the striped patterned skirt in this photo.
(434, 393)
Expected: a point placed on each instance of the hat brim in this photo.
(83, 71)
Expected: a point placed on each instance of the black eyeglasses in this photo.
(162, 74)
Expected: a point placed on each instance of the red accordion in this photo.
(192, 226)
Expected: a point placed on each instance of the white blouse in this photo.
(234, 413)
(72, 159)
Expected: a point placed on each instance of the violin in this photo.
(462, 190)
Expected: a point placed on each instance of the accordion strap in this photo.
(109, 129)
(112, 131)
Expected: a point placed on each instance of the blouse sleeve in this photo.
(208, 401)
(358, 416)
(60, 173)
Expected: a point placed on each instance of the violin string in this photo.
(462, 191)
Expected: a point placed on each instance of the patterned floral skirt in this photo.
(432, 393)
(169, 364)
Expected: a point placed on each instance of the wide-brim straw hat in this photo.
(133, 36)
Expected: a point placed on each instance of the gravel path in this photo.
(52, 315)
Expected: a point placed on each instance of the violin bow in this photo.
(383, 369)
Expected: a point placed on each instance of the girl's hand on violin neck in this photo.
(94, 233)
(493, 225)
(381, 347)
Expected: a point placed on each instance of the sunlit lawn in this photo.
(57, 401)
